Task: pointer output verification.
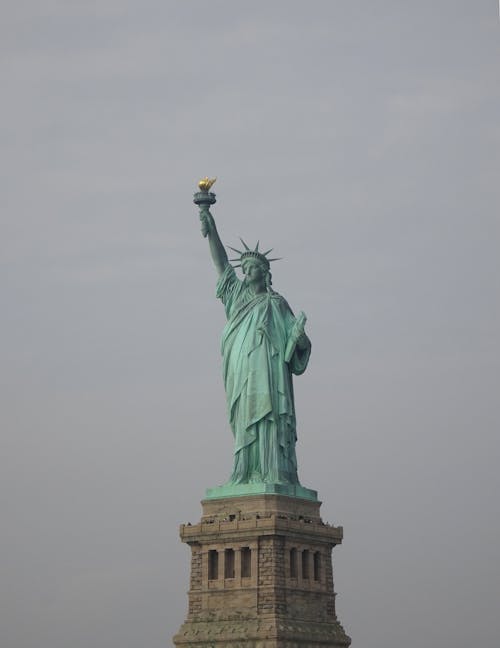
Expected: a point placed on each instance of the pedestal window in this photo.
(293, 563)
(213, 564)
(246, 562)
(229, 563)
(317, 566)
(305, 564)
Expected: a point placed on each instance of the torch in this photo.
(204, 198)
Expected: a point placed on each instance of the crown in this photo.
(247, 253)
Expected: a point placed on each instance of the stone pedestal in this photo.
(261, 575)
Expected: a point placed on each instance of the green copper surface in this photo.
(237, 490)
(263, 345)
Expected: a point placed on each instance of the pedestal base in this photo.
(237, 633)
(261, 575)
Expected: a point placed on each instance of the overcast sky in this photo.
(361, 141)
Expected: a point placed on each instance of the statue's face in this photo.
(254, 272)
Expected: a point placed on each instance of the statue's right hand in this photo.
(207, 222)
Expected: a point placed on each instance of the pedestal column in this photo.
(284, 598)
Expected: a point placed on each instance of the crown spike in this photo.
(251, 254)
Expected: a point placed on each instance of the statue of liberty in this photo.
(263, 344)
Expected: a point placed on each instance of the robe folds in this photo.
(258, 381)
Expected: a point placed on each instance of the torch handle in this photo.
(204, 199)
(204, 220)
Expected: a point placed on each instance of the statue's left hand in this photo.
(302, 341)
(299, 324)
(298, 339)
(298, 334)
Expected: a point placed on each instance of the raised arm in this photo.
(217, 250)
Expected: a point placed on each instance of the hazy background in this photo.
(361, 140)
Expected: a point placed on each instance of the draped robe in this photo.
(258, 381)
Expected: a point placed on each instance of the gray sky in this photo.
(361, 140)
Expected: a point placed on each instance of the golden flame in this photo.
(205, 183)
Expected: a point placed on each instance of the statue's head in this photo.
(255, 265)
(256, 272)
